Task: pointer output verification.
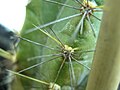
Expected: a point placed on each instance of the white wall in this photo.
(12, 13)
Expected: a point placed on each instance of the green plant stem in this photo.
(105, 72)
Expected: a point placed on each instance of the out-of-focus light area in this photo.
(12, 13)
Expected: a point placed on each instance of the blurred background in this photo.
(12, 13)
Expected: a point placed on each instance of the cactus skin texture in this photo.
(73, 43)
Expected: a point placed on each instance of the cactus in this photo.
(57, 44)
